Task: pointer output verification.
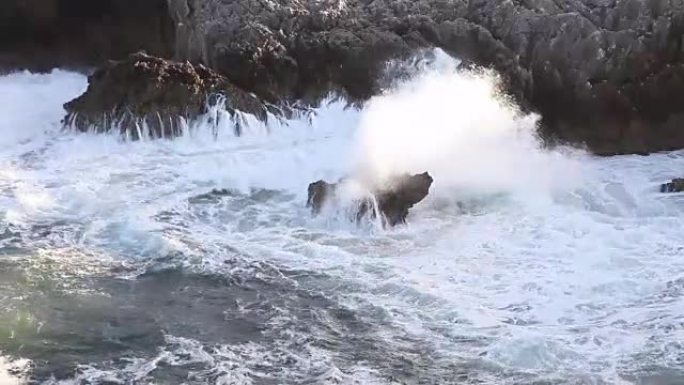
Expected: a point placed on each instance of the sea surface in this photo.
(194, 260)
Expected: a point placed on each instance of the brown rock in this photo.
(146, 91)
(393, 200)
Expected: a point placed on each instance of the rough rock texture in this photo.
(302, 50)
(42, 34)
(393, 199)
(608, 73)
(148, 95)
(676, 185)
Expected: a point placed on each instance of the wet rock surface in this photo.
(605, 74)
(676, 185)
(393, 200)
(146, 94)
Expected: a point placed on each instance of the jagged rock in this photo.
(214, 196)
(153, 94)
(39, 35)
(603, 73)
(393, 200)
(303, 50)
(676, 185)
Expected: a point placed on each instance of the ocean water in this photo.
(118, 265)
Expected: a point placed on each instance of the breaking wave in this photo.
(525, 265)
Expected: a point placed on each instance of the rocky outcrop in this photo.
(392, 200)
(39, 35)
(146, 95)
(676, 185)
(604, 73)
(303, 50)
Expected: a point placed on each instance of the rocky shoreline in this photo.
(148, 96)
(602, 73)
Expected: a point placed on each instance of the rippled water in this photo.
(524, 266)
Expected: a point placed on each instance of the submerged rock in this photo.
(393, 200)
(214, 196)
(146, 93)
(676, 185)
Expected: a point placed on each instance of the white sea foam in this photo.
(14, 372)
(32, 104)
(551, 263)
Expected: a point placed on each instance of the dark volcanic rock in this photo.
(393, 200)
(39, 35)
(676, 185)
(148, 93)
(303, 50)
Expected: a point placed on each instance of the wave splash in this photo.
(457, 125)
(574, 273)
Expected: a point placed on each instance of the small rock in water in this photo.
(676, 185)
(319, 192)
(393, 200)
(211, 197)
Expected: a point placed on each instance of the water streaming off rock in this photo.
(523, 266)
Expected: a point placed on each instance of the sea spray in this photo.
(457, 125)
(514, 292)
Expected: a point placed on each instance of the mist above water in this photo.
(457, 125)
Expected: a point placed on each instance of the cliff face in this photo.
(303, 49)
(607, 73)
